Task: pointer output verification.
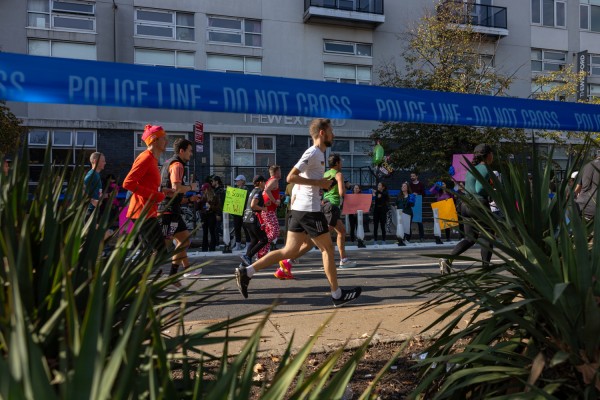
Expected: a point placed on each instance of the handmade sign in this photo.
(235, 201)
(356, 201)
(460, 166)
(447, 217)
(418, 209)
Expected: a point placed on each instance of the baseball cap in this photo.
(205, 186)
(574, 175)
(258, 178)
(240, 178)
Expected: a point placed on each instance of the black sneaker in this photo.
(347, 296)
(444, 266)
(242, 280)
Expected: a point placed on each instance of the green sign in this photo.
(235, 201)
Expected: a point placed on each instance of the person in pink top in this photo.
(143, 180)
(272, 201)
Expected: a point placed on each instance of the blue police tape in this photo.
(36, 79)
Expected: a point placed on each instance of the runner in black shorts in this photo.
(171, 221)
(307, 220)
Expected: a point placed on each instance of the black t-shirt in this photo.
(381, 199)
(590, 177)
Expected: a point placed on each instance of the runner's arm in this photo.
(340, 182)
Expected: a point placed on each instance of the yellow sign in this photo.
(447, 216)
(235, 201)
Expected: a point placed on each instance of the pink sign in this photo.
(356, 201)
(460, 166)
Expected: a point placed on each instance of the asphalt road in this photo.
(385, 274)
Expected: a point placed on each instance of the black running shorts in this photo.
(170, 224)
(314, 223)
(332, 213)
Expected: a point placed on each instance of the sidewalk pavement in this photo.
(352, 324)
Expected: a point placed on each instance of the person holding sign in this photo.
(405, 203)
(272, 201)
(252, 220)
(169, 210)
(483, 156)
(238, 223)
(332, 201)
(439, 190)
(306, 220)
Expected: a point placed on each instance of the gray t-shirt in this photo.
(311, 166)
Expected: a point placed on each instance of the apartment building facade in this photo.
(345, 41)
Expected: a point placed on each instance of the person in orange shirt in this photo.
(143, 180)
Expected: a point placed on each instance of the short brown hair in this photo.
(317, 125)
(273, 168)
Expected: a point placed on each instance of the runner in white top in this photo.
(306, 217)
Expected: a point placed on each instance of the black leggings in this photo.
(258, 238)
(471, 235)
(379, 215)
(209, 227)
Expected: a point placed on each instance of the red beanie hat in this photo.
(151, 133)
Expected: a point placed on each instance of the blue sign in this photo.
(36, 79)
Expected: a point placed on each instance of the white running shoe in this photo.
(193, 274)
(345, 263)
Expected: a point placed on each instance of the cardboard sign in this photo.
(447, 217)
(356, 201)
(418, 209)
(460, 166)
(235, 201)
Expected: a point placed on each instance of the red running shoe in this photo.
(285, 270)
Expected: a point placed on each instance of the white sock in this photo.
(250, 271)
(345, 259)
(337, 294)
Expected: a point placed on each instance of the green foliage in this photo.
(444, 54)
(532, 319)
(561, 84)
(77, 325)
(10, 130)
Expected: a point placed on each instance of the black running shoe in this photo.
(242, 280)
(444, 266)
(347, 296)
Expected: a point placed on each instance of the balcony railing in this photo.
(480, 14)
(365, 12)
(364, 6)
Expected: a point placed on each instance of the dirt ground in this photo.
(397, 383)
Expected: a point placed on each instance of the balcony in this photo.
(368, 13)
(484, 19)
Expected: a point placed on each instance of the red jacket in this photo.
(144, 182)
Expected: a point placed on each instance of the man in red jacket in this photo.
(143, 180)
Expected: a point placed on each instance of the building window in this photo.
(594, 91)
(236, 64)
(164, 24)
(67, 147)
(551, 13)
(165, 58)
(358, 74)
(61, 15)
(355, 158)
(595, 64)
(248, 155)
(349, 48)
(589, 15)
(51, 48)
(238, 31)
(547, 60)
(140, 146)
